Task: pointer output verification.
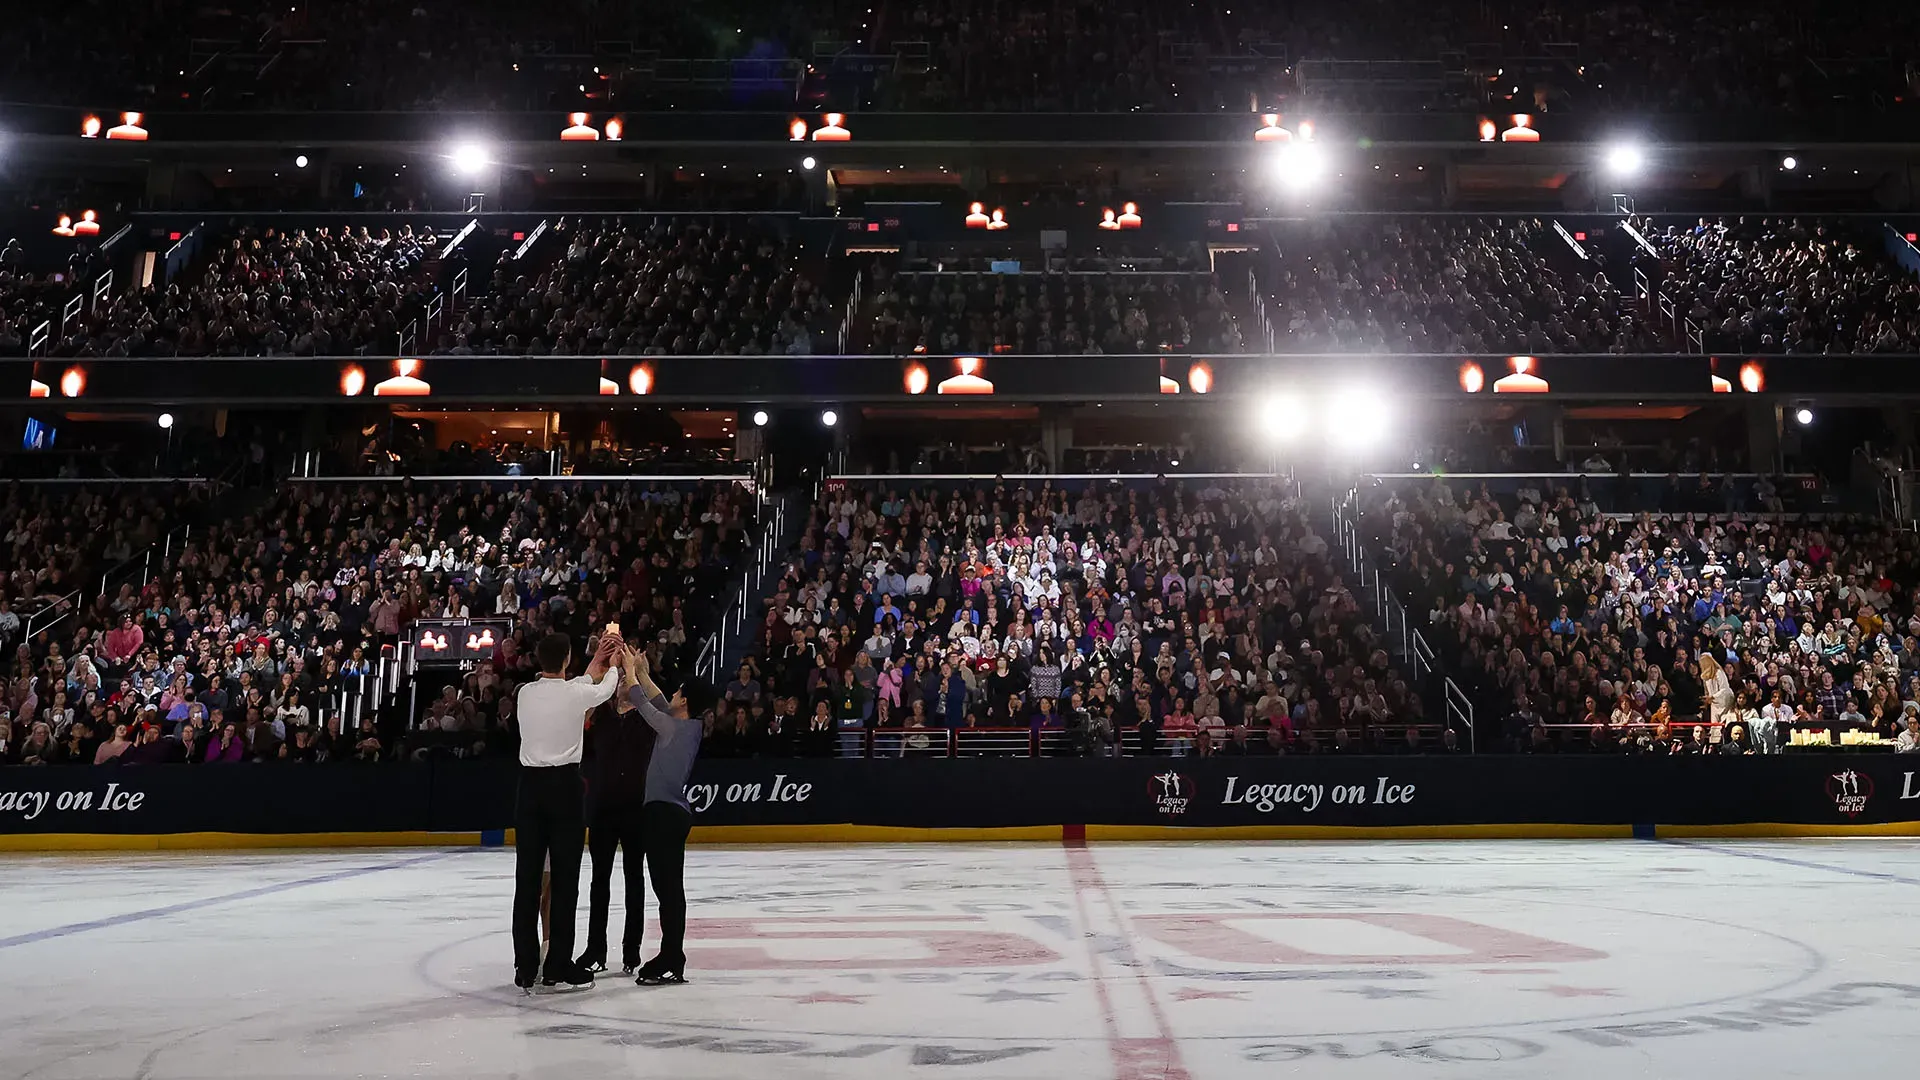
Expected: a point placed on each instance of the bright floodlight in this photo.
(829, 418)
(1357, 419)
(300, 162)
(808, 163)
(166, 420)
(1298, 165)
(760, 418)
(1625, 160)
(1789, 163)
(1803, 416)
(470, 158)
(1282, 417)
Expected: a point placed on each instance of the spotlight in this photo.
(1298, 165)
(1789, 163)
(829, 418)
(1282, 417)
(470, 157)
(808, 163)
(1625, 160)
(166, 421)
(1357, 418)
(1803, 416)
(760, 418)
(300, 162)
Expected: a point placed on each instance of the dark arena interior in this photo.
(958, 539)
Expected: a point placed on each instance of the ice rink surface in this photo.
(1451, 959)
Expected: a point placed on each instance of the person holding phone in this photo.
(666, 818)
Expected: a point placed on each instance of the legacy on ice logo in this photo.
(1171, 792)
(1850, 791)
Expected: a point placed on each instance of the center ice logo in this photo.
(1171, 793)
(1850, 791)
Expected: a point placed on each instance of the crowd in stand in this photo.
(1055, 56)
(634, 287)
(1783, 285)
(1029, 314)
(1200, 617)
(263, 291)
(1573, 629)
(1442, 285)
(247, 644)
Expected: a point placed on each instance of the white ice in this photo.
(1131, 962)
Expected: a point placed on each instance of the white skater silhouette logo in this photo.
(1172, 795)
(1850, 791)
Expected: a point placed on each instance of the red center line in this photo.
(1154, 1058)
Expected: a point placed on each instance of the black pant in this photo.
(665, 829)
(551, 825)
(621, 827)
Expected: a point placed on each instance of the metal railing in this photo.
(1406, 641)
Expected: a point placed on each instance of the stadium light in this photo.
(300, 162)
(829, 418)
(1625, 159)
(808, 163)
(1357, 418)
(166, 421)
(1282, 417)
(1298, 164)
(1803, 416)
(1789, 163)
(760, 418)
(470, 157)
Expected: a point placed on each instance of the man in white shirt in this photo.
(550, 820)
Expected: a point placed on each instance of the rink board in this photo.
(972, 799)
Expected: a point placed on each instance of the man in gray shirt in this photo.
(666, 818)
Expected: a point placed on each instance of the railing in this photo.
(1460, 710)
(101, 290)
(713, 650)
(70, 311)
(900, 741)
(38, 337)
(50, 615)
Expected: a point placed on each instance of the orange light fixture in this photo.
(90, 128)
(1489, 130)
(797, 130)
(640, 379)
(1200, 377)
(1472, 378)
(578, 129)
(65, 227)
(1130, 216)
(999, 219)
(969, 381)
(608, 388)
(353, 380)
(129, 128)
(834, 130)
(1523, 380)
(1109, 221)
(1753, 377)
(917, 379)
(88, 225)
(977, 217)
(36, 388)
(406, 381)
(1271, 131)
(1521, 131)
(73, 382)
(615, 129)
